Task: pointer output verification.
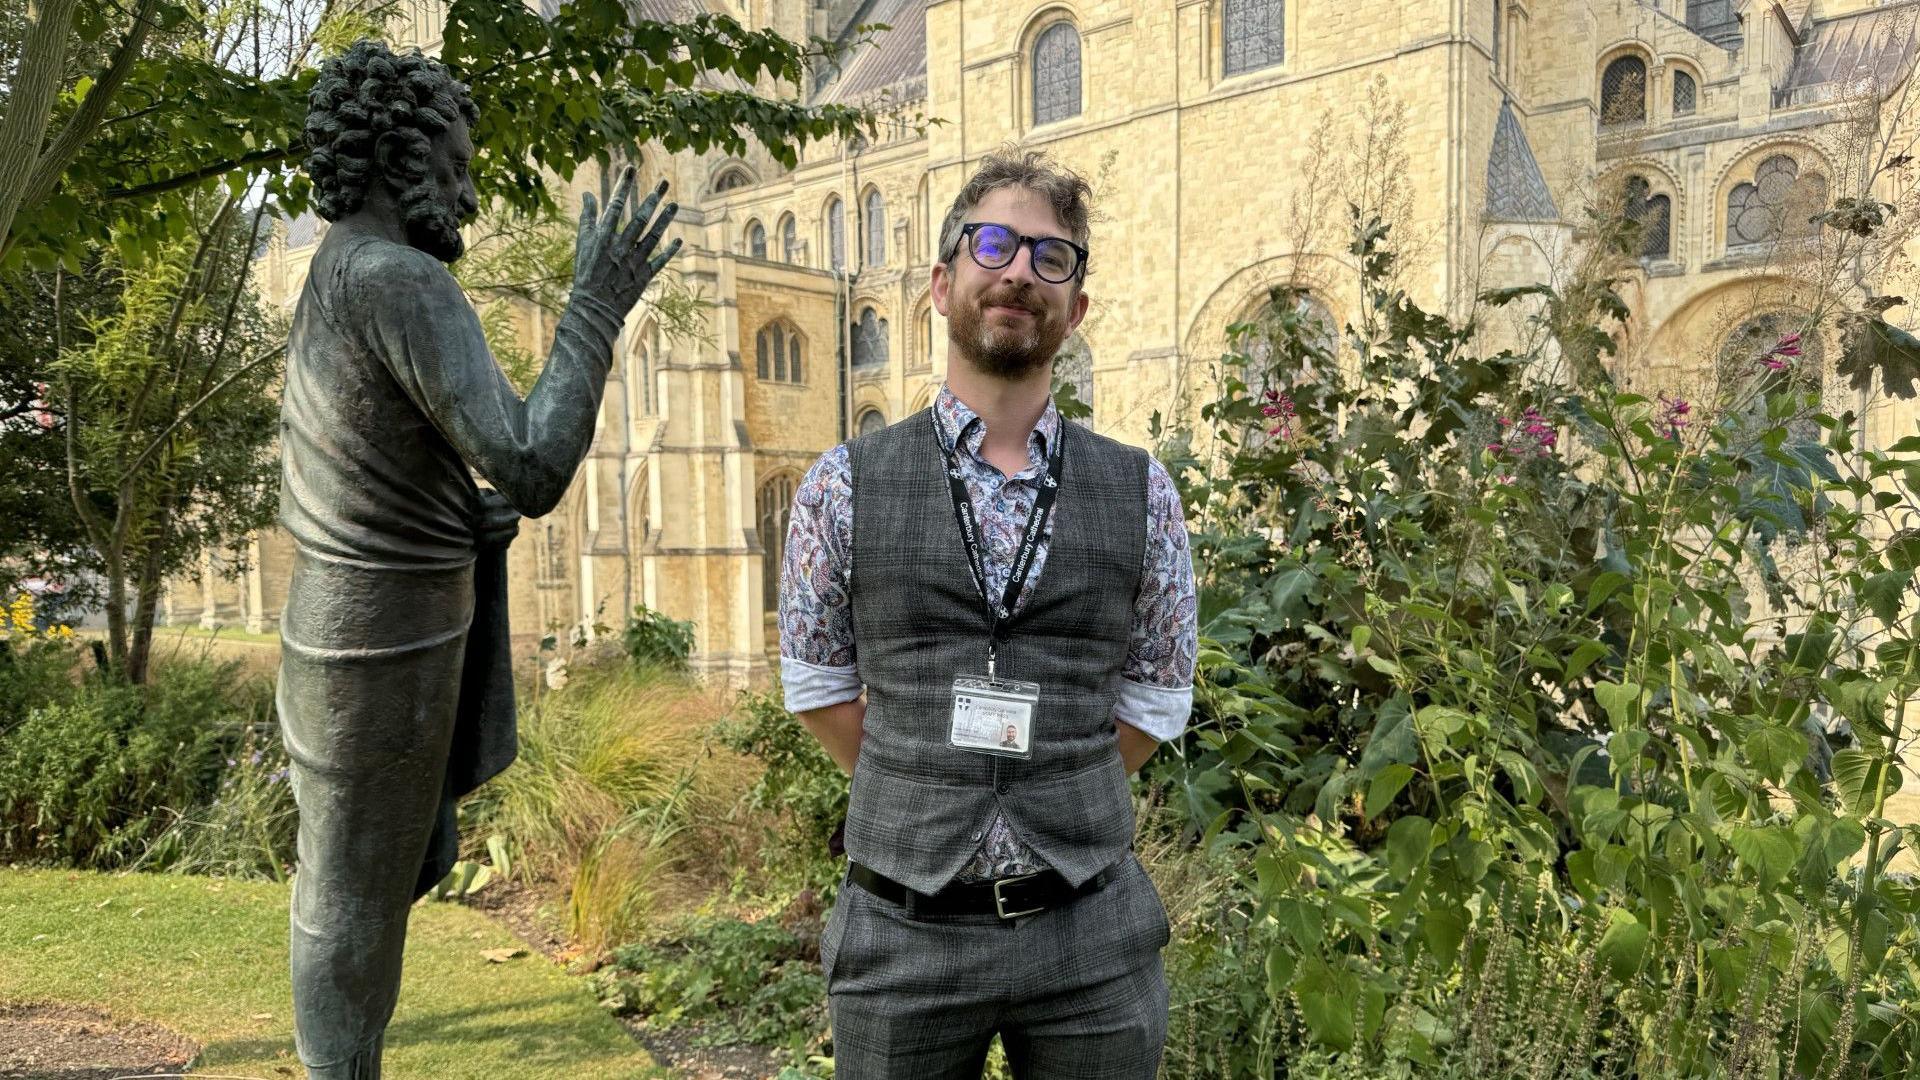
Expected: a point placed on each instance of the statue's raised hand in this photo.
(614, 265)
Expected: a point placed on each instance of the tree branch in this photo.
(30, 100)
(93, 108)
(160, 439)
(220, 168)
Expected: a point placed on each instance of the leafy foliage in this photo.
(651, 638)
(751, 981)
(1477, 645)
(799, 784)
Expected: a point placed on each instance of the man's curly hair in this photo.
(365, 93)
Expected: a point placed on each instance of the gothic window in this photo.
(876, 226)
(775, 506)
(926, 220)
(1742, 356)
(926, 339)
(776, 353)
(757, 240)
(1654, 213)
(837, 233)
(732, 179)
(1253, 34)
(554, 563)
(1496, 37)
(870, 341)
(789, 240)
(870, 421)
(643, 368)
(1073, 366)
(1623, 92)
(1056, 73)
(1776, 204)
(1686, 93)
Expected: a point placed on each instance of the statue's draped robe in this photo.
(395, 690)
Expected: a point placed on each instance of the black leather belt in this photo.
(1009, 898)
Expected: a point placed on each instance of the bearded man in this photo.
(987, 617)
(395, 692)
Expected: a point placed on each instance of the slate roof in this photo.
(1516, 189)
(1839, 56)
(895, 60)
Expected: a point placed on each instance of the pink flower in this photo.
(1787, 346)
(1773, 364)
(1673, 416)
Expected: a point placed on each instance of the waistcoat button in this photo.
(1002, 787)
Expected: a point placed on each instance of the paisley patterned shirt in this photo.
(1155, 692)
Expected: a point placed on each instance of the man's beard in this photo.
(1007, 352)
(430, 225)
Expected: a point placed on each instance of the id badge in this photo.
(993, 716)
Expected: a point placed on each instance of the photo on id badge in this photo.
(993, 716)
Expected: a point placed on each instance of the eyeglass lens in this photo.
(1053, 259)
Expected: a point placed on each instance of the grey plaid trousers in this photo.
(1075, 993)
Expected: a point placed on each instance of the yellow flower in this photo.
(21, 612)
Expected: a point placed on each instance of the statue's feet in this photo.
(361, 1066)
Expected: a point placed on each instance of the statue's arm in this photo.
(419, 322)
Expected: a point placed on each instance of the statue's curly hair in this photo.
(363, 94)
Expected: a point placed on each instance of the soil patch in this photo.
(62, 1042)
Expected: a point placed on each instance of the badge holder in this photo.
(992, 715)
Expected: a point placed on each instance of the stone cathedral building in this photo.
(1224, 138)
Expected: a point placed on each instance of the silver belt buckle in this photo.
(1000, 901)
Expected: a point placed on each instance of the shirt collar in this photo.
(959, 426)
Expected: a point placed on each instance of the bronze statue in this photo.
(395, 692)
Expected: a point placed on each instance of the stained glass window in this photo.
(731, 179)
(1056, 74)
(870, 422)
(789, 240)
(1777, 203)
(793, 357)
(776, 513)
(1623, 92)
(1253, 32)
(757, 240)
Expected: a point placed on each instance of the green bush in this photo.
(93, 775)
(248, 828)
(653, 639)
(1515, 690)
(799, 785)
(739, 981)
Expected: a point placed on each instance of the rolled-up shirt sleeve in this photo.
(816, 600)
(1155, 691)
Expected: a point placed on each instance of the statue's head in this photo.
(391, 129)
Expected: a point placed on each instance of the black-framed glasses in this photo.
(992, 245)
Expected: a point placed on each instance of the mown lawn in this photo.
(209, 959)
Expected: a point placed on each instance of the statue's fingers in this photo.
(652, 239)
(659, 262)
(641, 216)
(583, 244)
(618, 207)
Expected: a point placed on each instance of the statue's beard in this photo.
(1002, 350)
(430, 225)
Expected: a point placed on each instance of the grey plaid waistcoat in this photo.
(918, 804)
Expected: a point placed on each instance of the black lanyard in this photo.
(998, 615)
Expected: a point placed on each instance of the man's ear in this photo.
(940, 285)
(401, 157)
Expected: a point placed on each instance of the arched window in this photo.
(775, 505)
(554, 551)
(926, 220)
(1253, 34)
(789, 240)
(1073, 366)
(1056, 73)
(731, 179)
(876, 228)
(870, 341)
(1265, 345)
(870, 421)
(1623, 92)
(1775, 205)
(757, 240)
(1686, 93)
(1654, 213)
(643, 371)
(1744, 355)
(776, 353)
(926, 338)
(837, 233)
